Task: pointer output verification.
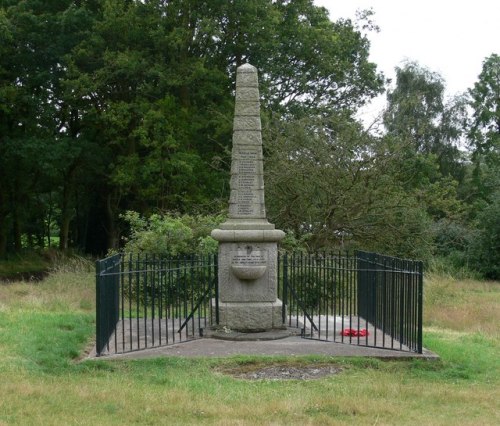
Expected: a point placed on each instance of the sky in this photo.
(449, 37)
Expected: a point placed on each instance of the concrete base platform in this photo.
(227, 334)
(160, 337)
(289, 346)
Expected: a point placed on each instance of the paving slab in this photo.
(288, 346)
(136, 338)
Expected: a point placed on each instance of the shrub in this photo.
(485, 250)
(170, 234)
(452, 238)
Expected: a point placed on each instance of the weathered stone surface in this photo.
(247, 241)
(246, 76)
(257, 231)
(244, 122)
(246, 80)
(247, 137)
(234, 289)
(244, 166)
(250, 317)
(247, 94)
(250, 199)
(247, 172)
(247, 68)
(249, 155)
(242, 182)
(244, 108)
(246, 210)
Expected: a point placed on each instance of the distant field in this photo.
(46, 326)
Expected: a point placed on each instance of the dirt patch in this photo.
(282, 371)
(87, 352)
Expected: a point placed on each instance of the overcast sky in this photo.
(449, 37)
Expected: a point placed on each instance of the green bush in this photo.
(170, 234)
(456, 265)
(293, 243)
(485, 249)
(452, 238)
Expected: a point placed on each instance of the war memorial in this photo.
(248, 243)
(251, 290)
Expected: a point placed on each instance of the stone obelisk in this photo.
(248, 243)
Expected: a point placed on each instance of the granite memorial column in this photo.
(248, 249)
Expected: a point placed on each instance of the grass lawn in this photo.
(44, 327)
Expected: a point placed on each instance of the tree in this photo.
(36, 142)
(485, 248)
(160, 96)
(306, 62)
(426, 131)
(418, 116)
(484, 140)
(484, 130)
(328, 178)
(150, 108)
(415, 106)
(485, 102)
(111, 105)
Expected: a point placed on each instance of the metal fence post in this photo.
(420, 306)
(98, 307)
(216, 274)
(285, 288)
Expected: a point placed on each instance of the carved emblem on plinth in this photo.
(249, 262)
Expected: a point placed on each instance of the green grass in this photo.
(45, 327)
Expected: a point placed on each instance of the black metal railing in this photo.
(391, 298)
(362, 298)
(107, 299)
(145, 302)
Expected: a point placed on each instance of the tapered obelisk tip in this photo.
(246, 202)
(246, 68)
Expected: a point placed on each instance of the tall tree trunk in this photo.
(112, 228)
(64, 232)
(16, 228)
(16, 220)
(3, 225)
(66, 213)
(3, 236)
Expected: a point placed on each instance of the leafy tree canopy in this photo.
(128, 104)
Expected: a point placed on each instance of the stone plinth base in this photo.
(238, 336)
(250, 316)
(248, 272)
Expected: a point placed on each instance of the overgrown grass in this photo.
(450, 266)
(465, 305)
(23, 264)
(31, 265)
(44, 327)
